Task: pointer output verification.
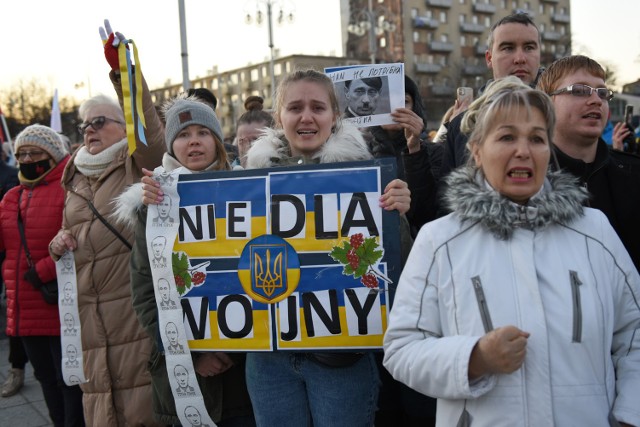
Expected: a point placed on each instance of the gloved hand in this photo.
(111, 43)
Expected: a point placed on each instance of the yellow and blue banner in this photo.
(299, 258)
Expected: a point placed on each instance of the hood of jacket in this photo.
(272, 148)
(470, 197)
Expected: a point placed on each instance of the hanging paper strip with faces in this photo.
(299, 258)
(162, 227)
(70, 336)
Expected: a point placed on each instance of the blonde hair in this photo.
(504, 95)
(309, 75)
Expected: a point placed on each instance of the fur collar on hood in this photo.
(272, 149)
(470, 196)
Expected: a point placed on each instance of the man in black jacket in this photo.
(513, 48)
(581, 100)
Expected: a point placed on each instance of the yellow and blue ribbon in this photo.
(132, 95)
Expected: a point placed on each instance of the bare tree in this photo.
(28, 102)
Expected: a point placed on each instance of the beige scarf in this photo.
(94, 164)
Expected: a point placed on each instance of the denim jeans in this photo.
(292, 390)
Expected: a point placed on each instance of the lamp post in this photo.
(281, 18)
(376, 22)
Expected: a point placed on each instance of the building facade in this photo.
(443, 42)
(231, 88)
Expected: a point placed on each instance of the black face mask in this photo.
(34, 170)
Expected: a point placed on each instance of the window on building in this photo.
(443, 17)
(429, 37)
(429, 59)
(444, 38)
(527, 5)
(463, 40)
(474, 19)
(383, 42)
(277, 69)
(416, 36)
(542, 27)
(254, 75)
(503, 4)
(563, 30)
(487, 21)
(462, 18)
(514, 4)
(552, 10)
(414, 12)
(541, 9)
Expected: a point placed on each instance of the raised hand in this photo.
(111, 40)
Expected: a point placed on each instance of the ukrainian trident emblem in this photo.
(269, 269)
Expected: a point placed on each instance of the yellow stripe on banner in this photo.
(125, 76)
(138, 85)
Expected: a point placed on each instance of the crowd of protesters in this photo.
(519, 298)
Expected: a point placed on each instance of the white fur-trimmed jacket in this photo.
(272, 149)
(553, 269)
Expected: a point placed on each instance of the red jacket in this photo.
(41, 210)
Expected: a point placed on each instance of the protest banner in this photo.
(298, 258)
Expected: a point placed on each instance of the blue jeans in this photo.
(291, 390)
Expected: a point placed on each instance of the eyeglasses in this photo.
(35, 154)
(96, 123)
(584, 91)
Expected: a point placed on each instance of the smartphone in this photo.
(628, 115)
(464, 95)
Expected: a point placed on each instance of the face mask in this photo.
(34, 170)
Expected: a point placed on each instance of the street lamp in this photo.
(376, 22)
(283, 16)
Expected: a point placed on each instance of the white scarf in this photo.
(94, 164)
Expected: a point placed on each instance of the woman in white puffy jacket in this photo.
(521, 307)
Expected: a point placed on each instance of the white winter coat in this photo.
(552, 269)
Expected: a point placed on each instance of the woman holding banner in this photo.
(320, 389)
(194, 141)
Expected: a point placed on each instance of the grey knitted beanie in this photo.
(44, 138)
(185, 111)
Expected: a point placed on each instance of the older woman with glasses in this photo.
(519, 308)
(115, 347)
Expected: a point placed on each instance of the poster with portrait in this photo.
(368, 93)
(299, 258)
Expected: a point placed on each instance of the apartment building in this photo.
(443, 42)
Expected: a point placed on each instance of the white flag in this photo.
(56, 121)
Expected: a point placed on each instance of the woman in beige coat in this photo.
(115, 347)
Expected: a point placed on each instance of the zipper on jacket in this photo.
(482, 304)
(577, 306)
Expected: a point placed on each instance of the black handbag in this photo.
(49, 290)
